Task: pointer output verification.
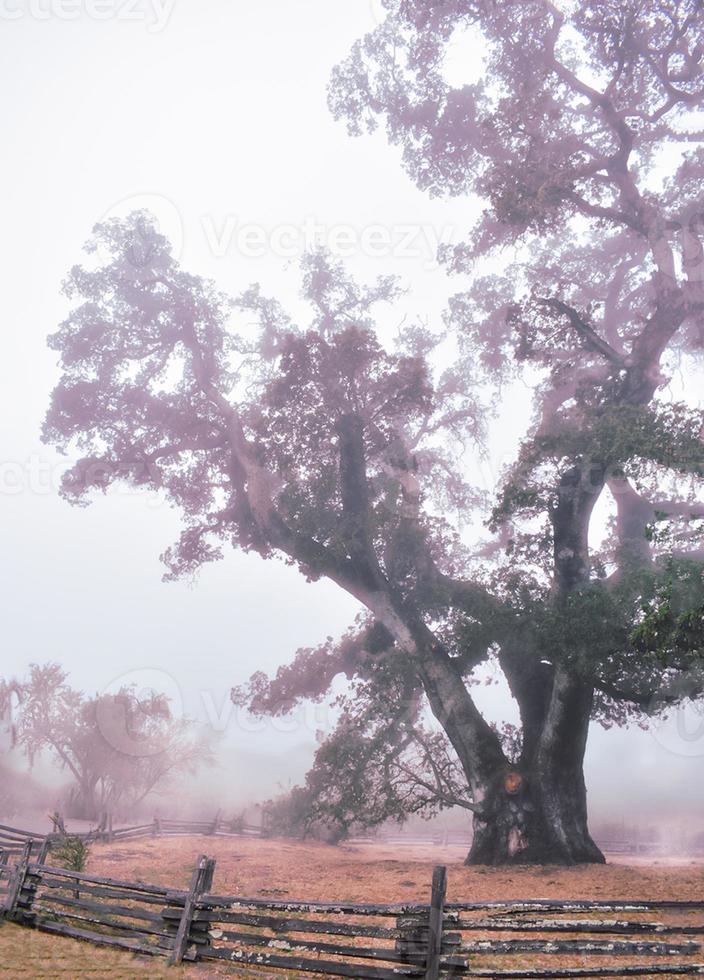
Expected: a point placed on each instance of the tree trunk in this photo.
(520, 823)
(82, 804)
(536, 811)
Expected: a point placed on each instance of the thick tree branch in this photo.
(591, 339)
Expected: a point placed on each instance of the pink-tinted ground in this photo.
(364, 873)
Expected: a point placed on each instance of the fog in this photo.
(213, 115)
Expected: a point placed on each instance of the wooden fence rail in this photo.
(13, 840)
(440, 939)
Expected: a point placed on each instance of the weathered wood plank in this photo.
(671, 969)
(9, 840)
(530, 905)
(201, 880)
(99, 891)
(613, 926)
(392, 911)
(100, 938)
(22, 833)
(578, 947)
(286, 924)
(162, 937)
(420, 934)
(133, 886)
(17, 882)
(281, 944)
(44, 850)
(187, 823)
(118, 910)
(437, 908)
(131, 836)
(333, 968)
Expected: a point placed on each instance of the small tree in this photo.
(297, 813)
(119, 748)
(71, 853)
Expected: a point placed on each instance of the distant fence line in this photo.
(626, 843)
(441, 838)
(341, 939)
(634, 843)
(13, 840)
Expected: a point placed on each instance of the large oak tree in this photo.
(344, 452)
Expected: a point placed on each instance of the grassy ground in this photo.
(372, 873)
(30, 954)
(379, 873)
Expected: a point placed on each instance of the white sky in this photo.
(216, 121)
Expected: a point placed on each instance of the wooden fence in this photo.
(436, 940)
(13, 840)
(438, 838)
(630, 843)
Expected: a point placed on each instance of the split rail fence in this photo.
(627, 843)
(13, 840)
(436, 940)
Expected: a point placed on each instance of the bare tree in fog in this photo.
(10, 693)
(118, 748)
(343, 453)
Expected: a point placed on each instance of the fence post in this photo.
(437, 909)
(214, 828)
(44, 849)
(111, 837)
(18, 880)
(201, 882)
(3, 875)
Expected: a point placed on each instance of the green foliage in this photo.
(620, 440)
(296, 814)
(672, 623)
(71, 853)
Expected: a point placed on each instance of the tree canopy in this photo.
(117, 748)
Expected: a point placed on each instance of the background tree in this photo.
(14, 789)
(341, 450)
(119, 748)
(10, 694)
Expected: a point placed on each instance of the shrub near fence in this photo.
(357, 940)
